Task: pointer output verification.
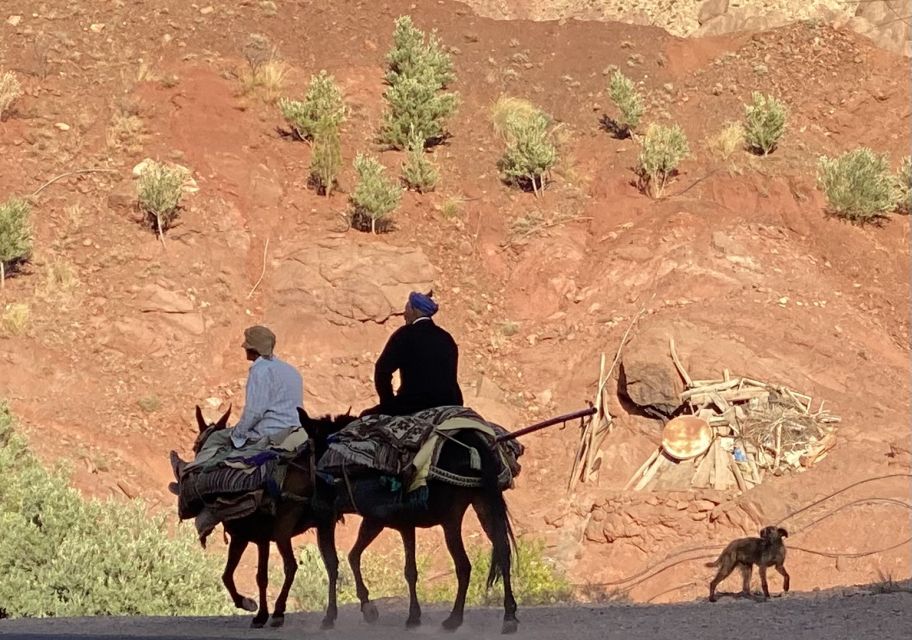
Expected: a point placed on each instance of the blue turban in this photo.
(422, 303)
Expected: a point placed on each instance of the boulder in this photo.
(886, 23)
(741, 19)
(648, 377)
(351, 280)
(711, 9)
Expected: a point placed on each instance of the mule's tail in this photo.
(714, 563)
(497, 509)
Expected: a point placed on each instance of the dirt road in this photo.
(796, 617)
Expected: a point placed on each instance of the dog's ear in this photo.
(782, 533)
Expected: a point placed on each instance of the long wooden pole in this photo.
(582, 413)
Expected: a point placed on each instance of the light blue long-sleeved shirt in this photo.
(275, 390)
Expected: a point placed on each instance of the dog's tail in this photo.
(714, 563)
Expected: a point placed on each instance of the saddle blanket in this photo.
(406, 447)
(221, 477)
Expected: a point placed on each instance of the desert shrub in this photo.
(536, 579)
(61, 555)
(508, 111)
(858, 185)
(726, 142)
(629, 103)
(764, 123)
(10, 90)
(411, 55)
(415, 103)
(326, 159)
(530, 152)
(375, 196)
(905, 186)
(418, 173)
(15, 235)
(159, 190)
(266, 72)
(14, 319)
(322, 107)
(663, 149)
(418, 73)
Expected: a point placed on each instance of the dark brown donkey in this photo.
(294, 515)
(446, 507)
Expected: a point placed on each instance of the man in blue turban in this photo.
(427, 359)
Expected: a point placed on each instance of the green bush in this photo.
(415, 103)
(326, 158)
(419, 173)
(322, 107)
(410, 55)
(628, 101)
(764, 126)
(160, 190)
(375, 196)
(418, 72)
(61, 555)
(858, 185)
(663, 149)
(536, 579)
(530, 152)
(905, 186)
(15, 235)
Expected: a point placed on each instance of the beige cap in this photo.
(259, 339)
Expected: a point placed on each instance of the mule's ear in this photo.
(302, 416)
(348, 411)
(200, 420)
(783, 533)
(223, 421)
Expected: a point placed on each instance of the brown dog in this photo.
(766, 551)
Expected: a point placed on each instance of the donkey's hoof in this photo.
(370, 613)
(510, 626)
(277, 621)
(247, 604)
(328, 623)
(258, 623)
(452, 623)
(413, 622)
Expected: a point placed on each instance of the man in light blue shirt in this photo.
(275, 390)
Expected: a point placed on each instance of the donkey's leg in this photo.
(236, 549)
(501, 556)
(367, 533)
(262, 579)
(452, 530)
(326, 541)
(290, 565)
(411, 576)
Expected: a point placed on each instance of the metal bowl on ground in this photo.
(686, 437)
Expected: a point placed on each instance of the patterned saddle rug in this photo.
(408, 447)
(225, 484)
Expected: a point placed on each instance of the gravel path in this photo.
(795, 617)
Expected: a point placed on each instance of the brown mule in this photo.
(294, 515)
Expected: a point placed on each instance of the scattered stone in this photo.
(63, 126)
(96, 27)
(14, 21)
(207, 10)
